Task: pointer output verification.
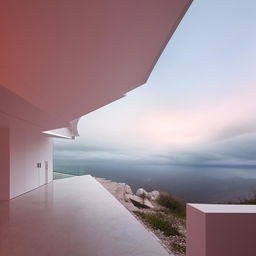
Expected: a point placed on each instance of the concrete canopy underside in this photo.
(75, 216)
(66, 58)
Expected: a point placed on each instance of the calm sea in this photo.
(193, 184)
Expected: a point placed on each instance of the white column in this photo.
(4, 164)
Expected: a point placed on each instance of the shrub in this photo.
(159, 221)
(175, 205)
(250, 200)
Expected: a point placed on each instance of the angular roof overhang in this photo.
(65, 58)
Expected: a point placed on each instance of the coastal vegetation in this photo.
(168, 228)
(167, 221)
(248, 200)
(160, 221)
(175, 205)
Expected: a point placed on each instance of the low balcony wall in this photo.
(223, 230)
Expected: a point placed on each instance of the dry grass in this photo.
(175, 205)
(160, 221)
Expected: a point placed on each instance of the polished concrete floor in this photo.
(71, 217)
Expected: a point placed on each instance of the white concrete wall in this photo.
(196, 232)
(28, 147)
(221, 230)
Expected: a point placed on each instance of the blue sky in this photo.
(198, 106)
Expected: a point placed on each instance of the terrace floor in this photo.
(72, 217)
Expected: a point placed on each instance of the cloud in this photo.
(237, 151)
(195, 129)
(81, 146)
(237, 129)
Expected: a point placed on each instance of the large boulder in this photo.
(153, 195)
(140, 202)
(141, 192)
(127, 189)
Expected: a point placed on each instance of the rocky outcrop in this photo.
(144, 202)
(141, 192)
(153, 195)
(124, 193)
(127, 189)
(140, 202)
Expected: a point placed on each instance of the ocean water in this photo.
(193, 184)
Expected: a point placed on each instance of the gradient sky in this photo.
(198, 106)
